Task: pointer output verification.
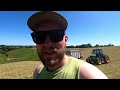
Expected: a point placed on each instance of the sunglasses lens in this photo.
(57, 36)
(40, 36)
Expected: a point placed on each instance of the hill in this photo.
(24, 54)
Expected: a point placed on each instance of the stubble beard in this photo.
(52, 61)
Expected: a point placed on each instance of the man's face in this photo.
(51, 53)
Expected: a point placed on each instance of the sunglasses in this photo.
(39, 37)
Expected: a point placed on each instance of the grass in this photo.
(24, 54)
(2, 59)
(28, 60)
(111, 69)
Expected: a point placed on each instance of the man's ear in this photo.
(66, 38)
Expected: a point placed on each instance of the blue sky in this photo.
(94, 27)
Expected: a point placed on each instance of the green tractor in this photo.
(98, 57)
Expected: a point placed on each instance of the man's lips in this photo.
(49, 53)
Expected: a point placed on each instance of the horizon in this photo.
(94, 27)
(67, 45)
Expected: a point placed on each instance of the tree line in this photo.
(89, 46)
(5, 48)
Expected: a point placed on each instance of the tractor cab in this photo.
(97, 52)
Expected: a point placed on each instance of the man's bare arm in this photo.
(89, 71)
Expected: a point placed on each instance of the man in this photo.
(49, 35)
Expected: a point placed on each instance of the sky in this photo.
(94, 27)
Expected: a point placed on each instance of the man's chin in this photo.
(51, 62)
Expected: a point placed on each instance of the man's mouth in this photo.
(49, 53)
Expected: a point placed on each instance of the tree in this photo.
(97, 45)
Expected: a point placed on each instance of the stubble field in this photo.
(23, 68)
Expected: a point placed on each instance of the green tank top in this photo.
(69, 71)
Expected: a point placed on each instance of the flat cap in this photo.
(38, 17)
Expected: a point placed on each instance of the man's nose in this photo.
(48, 42)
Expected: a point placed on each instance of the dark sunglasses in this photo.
(54, 35)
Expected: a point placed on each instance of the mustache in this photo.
(50, 49)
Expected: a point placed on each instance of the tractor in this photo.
(75, 53)
(98, 57)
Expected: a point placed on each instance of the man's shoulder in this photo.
(75, 60)
(39, 66)
(37, 69)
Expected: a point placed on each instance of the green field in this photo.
(22, 62)
(24, 54)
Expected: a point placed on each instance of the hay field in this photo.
(112, 69)
(24, 69)
(18, 70)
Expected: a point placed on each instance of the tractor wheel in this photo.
(87, 60)
(107, 59)
(103, 60)
(99, 62)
